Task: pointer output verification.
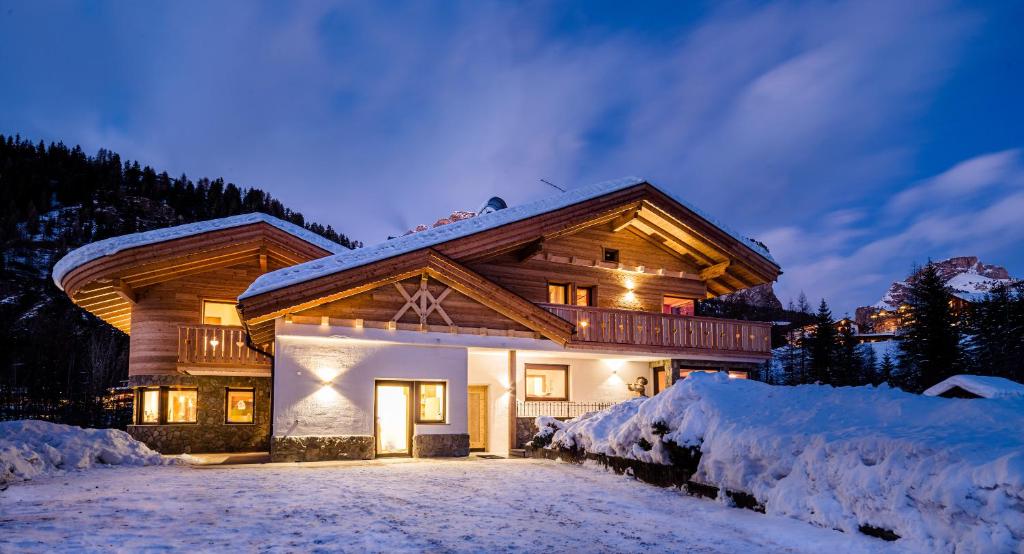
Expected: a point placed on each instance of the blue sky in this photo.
(854, 138)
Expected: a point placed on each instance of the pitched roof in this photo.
(985, 386)
(354, 258)
(107, 247)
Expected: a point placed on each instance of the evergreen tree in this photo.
(802, 305)
(887, 369)
(847, 366)
(869, 363)
(822, 345)
(930, 350)
(996, 328)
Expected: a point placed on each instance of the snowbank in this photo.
(944, 474)
(985, 386)
(31, 448)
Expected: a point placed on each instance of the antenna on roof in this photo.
(552, 184)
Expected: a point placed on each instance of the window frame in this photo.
(166, 405)
(227, 406)
(202, 311)
(615, 254)
(140, 405)
(692, 301)
(591, 295)
(416, 403)
(568, 293)
(560, 367)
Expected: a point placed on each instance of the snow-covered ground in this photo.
(945, 474)
(438, 506)
(29, 449)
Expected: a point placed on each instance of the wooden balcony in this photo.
(214, 349)
(606, 328)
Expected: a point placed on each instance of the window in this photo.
(220, 313)
(181, 406)
(677, 306)
(584, 296)
(430, 400)
(149, 406)
(240, 405)
(611, 255)
(558, 293)
(547, 382)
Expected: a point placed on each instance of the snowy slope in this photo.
(443, 233)
(945, 474)
(98, 249)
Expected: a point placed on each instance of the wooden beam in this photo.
(623, 221)
(530, 249)
(716, 270)
(123, 291)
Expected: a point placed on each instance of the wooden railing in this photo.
(626, 327)
(533, 408)
(215, 345)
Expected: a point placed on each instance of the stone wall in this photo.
(315, 449)
(211, 433)
(436, 446)
(526, 428)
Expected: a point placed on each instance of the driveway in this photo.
(437, 506)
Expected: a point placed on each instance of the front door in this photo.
(393, 415)
(659, 379)
(477, 417)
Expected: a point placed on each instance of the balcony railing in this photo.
(625, 327)
(533, 408)
(214, 345)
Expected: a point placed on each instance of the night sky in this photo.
(854, 138)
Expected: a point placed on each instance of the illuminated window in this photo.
(611, 255)
(430, 399)
(240, 405)
(584, 296)
(220, 313)
(684, 373)
(181, 406)
(677, 306)
(547, 382)
(149, 406)
(558, 294)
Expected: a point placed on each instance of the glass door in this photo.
(393, 418)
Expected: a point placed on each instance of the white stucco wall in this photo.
(491, 368)
(590, 380)
(324, 386)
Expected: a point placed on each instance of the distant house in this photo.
(976, 386)
(248, 333)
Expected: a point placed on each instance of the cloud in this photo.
(963, 180)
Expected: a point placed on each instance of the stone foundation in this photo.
(210, 433)
(526, 428)
(436, 446)
(315, 449)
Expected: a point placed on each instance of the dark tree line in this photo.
(937, 341)
(58, 362)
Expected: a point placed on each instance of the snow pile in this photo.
(983, 385)
(944, 474)
(30, 448)
(108, 247)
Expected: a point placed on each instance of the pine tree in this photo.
(822, 345)
(869, 363)
(930, 350)
(996, 328)
(847, 367)
(802, 305)
(887, 369)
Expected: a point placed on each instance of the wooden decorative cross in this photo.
(422, 302)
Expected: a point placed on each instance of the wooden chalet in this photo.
(435, 343)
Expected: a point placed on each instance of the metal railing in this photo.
(535, 408)
(217, 345)
(613, 326)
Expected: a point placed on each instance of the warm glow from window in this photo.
(431, 403)
(393, 418)
(181, 406)
(584, 296)
(558, 294)
(240, 406)
(547, 382)
(150, 411)
(677, 306)
(220, 313)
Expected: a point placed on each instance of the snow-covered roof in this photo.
(437, 235)
(985, 386)
(113, 245)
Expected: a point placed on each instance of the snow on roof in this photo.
(985, 386)
(113, 245)
(437, 235)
